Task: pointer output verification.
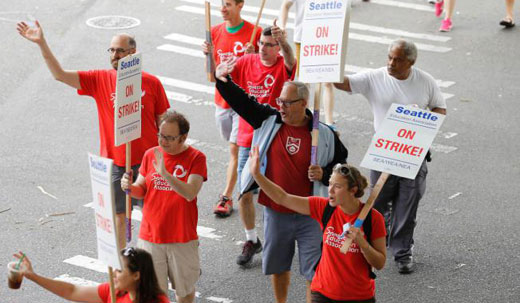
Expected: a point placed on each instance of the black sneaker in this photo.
(248, 251)
(406, 266)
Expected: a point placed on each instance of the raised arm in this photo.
(284, 13)
(35, 34)
(65, 290)
(275, 192)
(188, 190)
(281, 37)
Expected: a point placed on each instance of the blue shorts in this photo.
(281, 232)
(243, 155)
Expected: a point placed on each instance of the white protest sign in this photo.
(104, 210)
(127, 113)
(402, 140)
(323, 51)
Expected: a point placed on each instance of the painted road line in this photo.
(187, 85)
(443, 148)
(400, 4)
(366, 38)
(185, 39)
(181, 50)
(216, 299)
(387, 41)
(202, 231)
(353, 25)
(87, 262)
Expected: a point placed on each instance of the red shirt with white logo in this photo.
(101, 85)
(104, 294)
(263, 82)
(227, 45)
(167, 216)
(288, 161)
(339, 276)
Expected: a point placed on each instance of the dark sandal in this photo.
(507, 23)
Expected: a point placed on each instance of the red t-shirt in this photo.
(288, 163)
(265, 83)
(343, 276)
(101, 85)
(226, 45)
(167, 216)
(104, 294)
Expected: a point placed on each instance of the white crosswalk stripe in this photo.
(419, 7)
(355, 36)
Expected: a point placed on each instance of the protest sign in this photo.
(127, 113)
(104, 210)
(402, 140)
(325, 29)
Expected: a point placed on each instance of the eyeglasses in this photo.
(266, 44)
(118, 50)
(129, 252)
(286, 104)
(168, 138)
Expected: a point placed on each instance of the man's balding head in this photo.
(121, 45)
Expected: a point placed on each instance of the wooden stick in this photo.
(111, 283)
(316, 125)
(257, 21)
(210, 63)
(128, 197)
(368, 205)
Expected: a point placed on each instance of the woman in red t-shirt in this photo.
(135, 283)
(339, 277)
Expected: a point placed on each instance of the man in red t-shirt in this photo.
(261, 75)
(230, 39)
(101, 84)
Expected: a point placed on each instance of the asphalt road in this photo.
(467, 233)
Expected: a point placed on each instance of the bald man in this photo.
(101, 85)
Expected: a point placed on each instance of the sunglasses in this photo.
(129, 252)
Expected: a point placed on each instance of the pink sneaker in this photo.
(438, 8)
(445, 25)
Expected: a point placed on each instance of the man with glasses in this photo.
(284, 139)
(229, 39)
(101, 85)
(261, 75)
(398, 82)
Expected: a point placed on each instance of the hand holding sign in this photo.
(33, 34)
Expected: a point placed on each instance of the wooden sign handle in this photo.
(128, 197)
(315, 125)
(210, 63)
(257, 21)
(368, 205)
(111, 283)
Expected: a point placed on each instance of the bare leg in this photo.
(449, 5)
(281, 284)
(328, 104)
(247, 211)
(509, 9)
(231, 174)
(188, 299)
(121, 230)
(309, 297)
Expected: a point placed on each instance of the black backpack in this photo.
(367, 229)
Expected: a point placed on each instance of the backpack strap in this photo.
(367, 229)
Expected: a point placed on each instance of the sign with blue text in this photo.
(325, 28)
(104, 210)
(127, 113)
(401, 142)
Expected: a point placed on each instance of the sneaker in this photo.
(406, 266)
(438, 8)
(248, 251)
(224, 206)
(445, 25)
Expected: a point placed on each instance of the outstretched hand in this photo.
(225, 68)
(26, 266)
(254, 156)
(158, 163)
(34, 34)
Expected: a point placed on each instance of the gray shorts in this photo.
(281, 232)
(227, 123)
(120, 196)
